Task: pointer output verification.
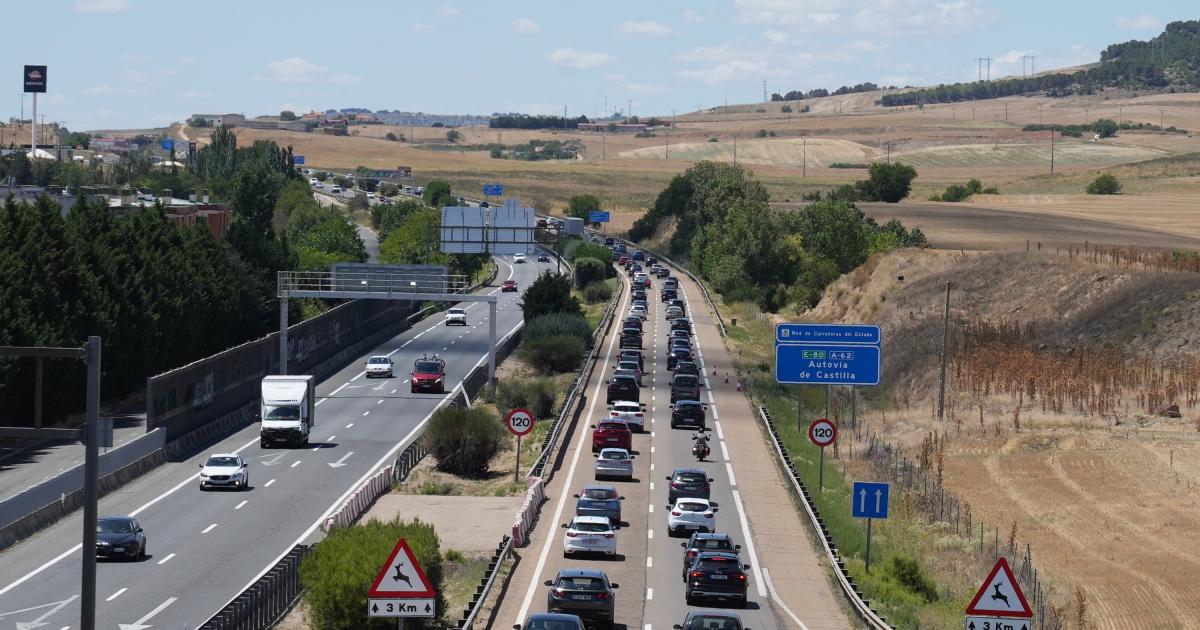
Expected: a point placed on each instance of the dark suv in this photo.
(681, 323)
(688, 413)
(688, 483)
(710, 619)
(633, 354)
(631, 341)
(687, 367)
(717, 575)
(704, 541)
(685, 387)
(624, 388)
(583, 592)
(678, 353)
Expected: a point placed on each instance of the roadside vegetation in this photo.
(1104, 184)
(958, 192)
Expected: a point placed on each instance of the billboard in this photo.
(35, 79)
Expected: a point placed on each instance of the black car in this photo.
(687, 367)
(681, 333)
(632, 322)
(583, 592)
(678, 302)
(626, 329)
(631, 354)
(717, 575)
(668, 294)
(624, 388)
(678, 354)
(653, 260)
(543, 258)
(631, 341)
(608, 241)
(120, 537)
(688, 413)
(711, 620)
(688, 483)
(551, 621)
(681, 323)
(705, 541)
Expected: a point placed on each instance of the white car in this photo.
(370, 195)
(518, 258)
(589, 534)
(633, 413)
(379, 366)
(638, 311)
(614, 462)
(224, 470)
(691, 515)
(313, 180)
(456, 316)
(336, 190)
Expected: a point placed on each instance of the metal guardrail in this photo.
(845, 581)
(267, 600)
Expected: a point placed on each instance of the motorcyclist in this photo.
(700, 444)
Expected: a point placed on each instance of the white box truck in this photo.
(288, 410)
(573, 227)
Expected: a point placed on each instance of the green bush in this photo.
(1105, 184)
(597, 292)
(589, 270)
(553, 354)
(388, 189)
(339, 571)
(888, 182)
(463, 441)
(551, 324)
(786, 109)
(907, 572)
(550, 293)
(761, 133)
(536, 395)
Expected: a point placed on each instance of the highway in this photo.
(648, 566)
(205, 548)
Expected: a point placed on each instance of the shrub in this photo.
(849, 165)
(1105, 184)
(907, 572)
(463, 441)
(536, 395)
(597, 292)
(550, 293)
(553, 354)
(388, 189)
(571, 324)
(588, 270)
(761, 133)
(453, 135)
(786, 109)
(888, 182)
(347, 561)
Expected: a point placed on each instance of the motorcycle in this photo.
(700, 448)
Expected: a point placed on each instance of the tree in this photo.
(197, 122)
(1105, 128)
(288, 115)
(437, 194)
(835, 230)
(453, 135)
(888, 182)
(588, 270)
(786, 109)
(761, 133)
(580, 205)
(550, 293)
(1105, 184)
(391, 135)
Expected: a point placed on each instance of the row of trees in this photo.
(799, 95)
(750, 251)
(525, 121)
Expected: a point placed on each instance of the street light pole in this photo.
(91, 487)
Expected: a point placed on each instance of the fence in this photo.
(267, 600)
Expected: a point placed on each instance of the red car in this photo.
(509, 285)
(624, 260)
(429, 375)
(611, 434)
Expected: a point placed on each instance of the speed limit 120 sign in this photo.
(519, 422)
(822, 432)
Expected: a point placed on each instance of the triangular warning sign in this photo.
(1000, 595)
(401, 576)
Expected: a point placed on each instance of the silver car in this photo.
(614, 462)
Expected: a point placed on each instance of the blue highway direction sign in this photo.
(825, 364)
(827, 333)
(493, 190)
(598, 216)
(297, 159)
(870, 500)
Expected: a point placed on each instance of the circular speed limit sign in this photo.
(519, 422)
(822, 432)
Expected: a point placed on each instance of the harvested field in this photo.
(1000, 155)
(785, 152)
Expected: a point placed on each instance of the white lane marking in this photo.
(268, 484)
(167, 559)
(295, 463)
(314, 449)
(650, 534)
(331, 438)
(777, 600)
(380, 402)
(651, 467)
(716, 416)
(358, 376)
(710, 397)
(534, 582)
(652, 486)
(649, 562)
(239, 506)
(366, 413)
(749, 541)
(732, 480)
(141, 623)
(394, 391)
(651, 449)
(406, 343)
(720, 433)
(117, 594)
(724, 451)
(349, 425)
(322, 400)
(334, 392)
(651, 508)
(445, 348)
(648, 627)
(649, 594)
(208, 529)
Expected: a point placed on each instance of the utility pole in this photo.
(735, 150)
(630, 114)
(804, 158)
(668, 132)
(1161, 129)
(1051, 151)
(564, 117)
(989, 68)
(604, 146)
(606, 106)
(889, 152)
(765, 91)
(1006, 112)
(945, 353)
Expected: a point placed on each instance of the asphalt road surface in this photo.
(205, 548)
(649, 563)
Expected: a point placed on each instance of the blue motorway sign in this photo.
(827, 333)
(167, 144)
(297, 159)
(598, 216)
(826, 364)
(870, 500)
(493, 190)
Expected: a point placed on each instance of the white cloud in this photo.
(526, 25)
(775, 37)
(570, 58)
(100, 6)
(135, 58)
(339, 78)
(693, 17)
(107, 89)
(614, 76)
(446, 10)
(194, 94)
(420, 27)
(1139, 23)
(645, 88)
(299, 70)
(879, 17)
(648, 27)
(726, 71)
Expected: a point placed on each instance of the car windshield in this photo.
(581, 583)
(457, 311)
(551, 624)
(627, 407)
(611, 426)
(690, 477)
(221, 461)
(714, 622)
(714, 543)
(628, 365)
(691, 507)
(718, 564)
(115, 526)
(614, 453)
(379, 360)
(428, 366)
(281, 413)
(599, 494)
(685, 380)
(590, 527)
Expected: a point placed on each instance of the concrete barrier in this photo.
(529, 512)
(360, 499)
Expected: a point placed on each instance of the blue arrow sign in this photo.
(869, 500)
(827, 333)
(598, 216)
(826, 364)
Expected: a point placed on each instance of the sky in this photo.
(115, 64)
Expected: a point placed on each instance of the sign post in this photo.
(598, 216)
(493, 190)
(822, 433)
(869, 500)
(999, 603)
(401, 589)
(519, 423)
(35, 83)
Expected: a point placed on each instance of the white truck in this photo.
(288, 409)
